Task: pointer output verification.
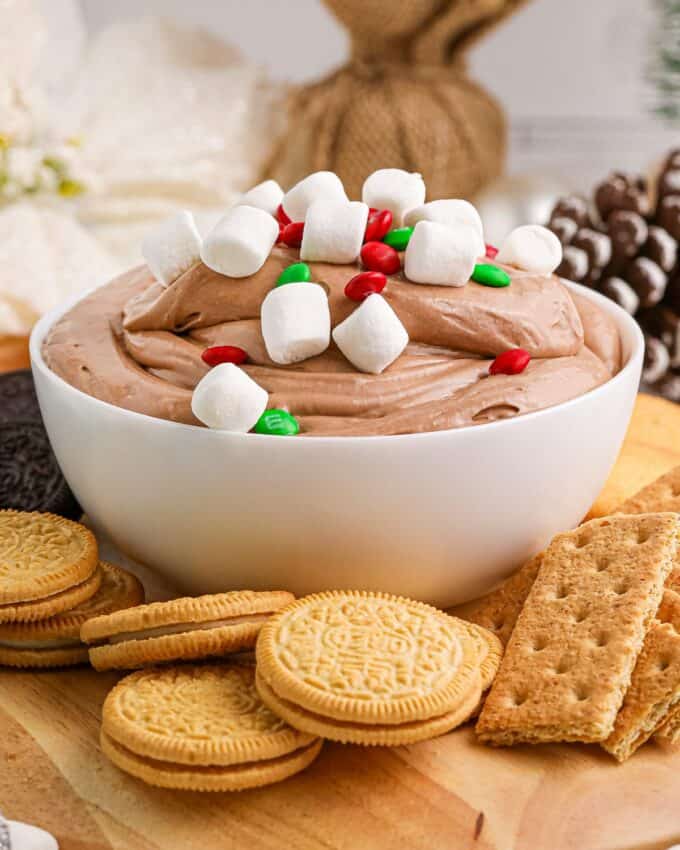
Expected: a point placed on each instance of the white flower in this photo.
(23, 166)
(47, 179)
(9, 190)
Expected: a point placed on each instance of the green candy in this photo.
(277, 422)
(297, 273)
(489, 275)
(398, 238)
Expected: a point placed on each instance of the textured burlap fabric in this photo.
(404, 100)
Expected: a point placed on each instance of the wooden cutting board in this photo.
(447, 794)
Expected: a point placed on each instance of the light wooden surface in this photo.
(13, 353)
(447, 794)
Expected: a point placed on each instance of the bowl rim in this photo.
(628, 328)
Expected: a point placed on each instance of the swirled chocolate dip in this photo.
(138, 345)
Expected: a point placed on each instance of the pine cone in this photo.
(625, 244)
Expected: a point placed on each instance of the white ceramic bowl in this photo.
(441, 516)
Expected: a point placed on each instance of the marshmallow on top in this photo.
(446, 241)
(395, 190)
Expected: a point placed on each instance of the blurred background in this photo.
(114, 114)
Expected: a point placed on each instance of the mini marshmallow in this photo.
(532, 248)
(240, 242)
(441, 255)
(172, 247)
(296, 322)
(372, 336)
(320, 186)
(395, 190)
(265, 196)
(228, 399)
(334, 231)
(452, 212)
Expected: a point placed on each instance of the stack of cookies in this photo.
(30, 477)
(590, 626)
(51, 582)
(373, 669)
(592, 633)
(365, 668)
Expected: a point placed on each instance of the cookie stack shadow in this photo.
(237, 690)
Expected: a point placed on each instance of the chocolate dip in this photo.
(138, 345)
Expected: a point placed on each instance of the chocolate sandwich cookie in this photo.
(30, 477)
(18, 400)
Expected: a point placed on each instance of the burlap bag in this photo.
(404, 100)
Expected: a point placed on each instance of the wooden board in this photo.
(13, 353)
(447, 794)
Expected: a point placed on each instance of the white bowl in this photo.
(441, 516)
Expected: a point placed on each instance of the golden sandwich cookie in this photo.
(200, 728)
(180, 630)
(55, 642)
(368, 668)
(48, 565)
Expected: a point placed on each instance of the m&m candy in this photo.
(281, 216)
(489, 275)
(291, 234)
(295, 273)
(510, 362)
(278, 423)
(379, 222)
(379, 257)
(224, 354)
(365, 284)
(398, 238)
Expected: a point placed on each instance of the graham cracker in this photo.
(661, 495)
(498, 611)
(570, 659)
(654, 693)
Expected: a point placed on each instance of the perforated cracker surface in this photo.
(42, 554)
(354, 656)
(661, 495)
(570, 658)
(208, 715)
(653, 694)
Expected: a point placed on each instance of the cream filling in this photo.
(182, 628)
(66, 643)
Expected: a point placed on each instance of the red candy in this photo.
(510, 362)
(491, 252)
(224, 354)
(292, 234)
(281, 215)
(379, 222)
(378, 257)
(365, 284)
